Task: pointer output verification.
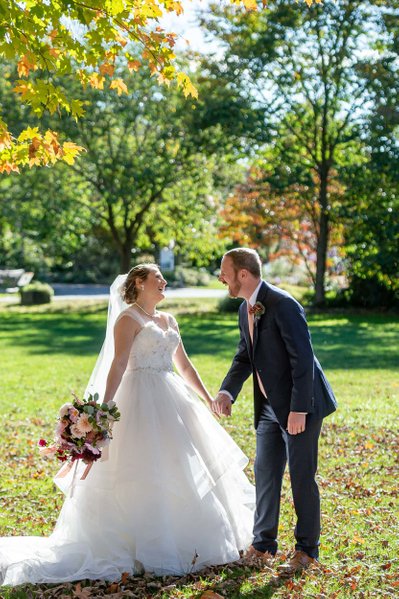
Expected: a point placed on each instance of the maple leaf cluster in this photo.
(83, 40)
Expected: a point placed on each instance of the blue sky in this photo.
(190, 35)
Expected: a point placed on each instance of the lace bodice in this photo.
(153, 347)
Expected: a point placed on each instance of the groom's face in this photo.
(229, 276)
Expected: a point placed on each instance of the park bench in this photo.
(11, 280)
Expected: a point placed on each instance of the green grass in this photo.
(49, 351)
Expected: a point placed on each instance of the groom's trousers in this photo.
(274, 447)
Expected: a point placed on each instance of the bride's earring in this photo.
(142, 287)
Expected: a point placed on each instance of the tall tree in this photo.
(371, 207)
(150, 176)
(147, 172)
(306, 70)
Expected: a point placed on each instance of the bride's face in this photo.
(154, 285)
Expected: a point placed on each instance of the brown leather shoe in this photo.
(298, 562)
(254, 554)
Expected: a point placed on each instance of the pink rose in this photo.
(84, 424)
(77, 432)
(61, 426)
(73, 414)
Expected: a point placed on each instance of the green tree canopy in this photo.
(85, 41)
(149, 176)
(308, 71)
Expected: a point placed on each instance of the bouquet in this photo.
(84, 428)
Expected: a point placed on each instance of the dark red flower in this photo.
(42, 443)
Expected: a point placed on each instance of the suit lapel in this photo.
(255, 335)
(261, 297)
(244, 319)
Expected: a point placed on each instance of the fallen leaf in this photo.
(80, 593)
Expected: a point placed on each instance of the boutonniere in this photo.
(258, 309)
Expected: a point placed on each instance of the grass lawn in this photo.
(46, 352)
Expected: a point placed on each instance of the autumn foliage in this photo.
(279, 223)
(84, 40)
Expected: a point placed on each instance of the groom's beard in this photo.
(234, 288)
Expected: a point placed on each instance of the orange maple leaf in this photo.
(119, 85)
(25, 65)
(34, 147)
(54, 52)
(107, 69)
(133, 65)
(96, 81)
(5, 140)
(120, 39)
(8, 167)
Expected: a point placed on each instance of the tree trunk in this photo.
(322, 242)
(125, 254)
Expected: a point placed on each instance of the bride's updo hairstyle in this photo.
(129, 290)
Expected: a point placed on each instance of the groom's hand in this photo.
(222, 405)
(296, 423)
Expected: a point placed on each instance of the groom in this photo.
(291, 397)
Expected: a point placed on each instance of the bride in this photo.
(170, 496)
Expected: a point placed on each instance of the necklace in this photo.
(145, 311)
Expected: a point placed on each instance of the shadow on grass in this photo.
(55, 332)
(345, 341)
(356, 341)
(341, 341)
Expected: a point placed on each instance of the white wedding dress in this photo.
(171, 497)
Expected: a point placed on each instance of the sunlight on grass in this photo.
(49, 351)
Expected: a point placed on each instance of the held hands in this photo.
(221, 406)
(296, 423)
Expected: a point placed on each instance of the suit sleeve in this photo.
(291, 321)
(240, 369)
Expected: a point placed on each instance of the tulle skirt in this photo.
(170, 497)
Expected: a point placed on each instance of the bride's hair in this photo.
(129, 291)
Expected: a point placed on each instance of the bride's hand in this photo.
(221, 406)
(212, 407)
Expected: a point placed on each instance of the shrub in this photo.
(229, 304)
(36, 293)
(366, 293)
(186, 277)
(282, 269)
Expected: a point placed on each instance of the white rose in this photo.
(65, 409)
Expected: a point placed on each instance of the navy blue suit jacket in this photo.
(282, 354)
